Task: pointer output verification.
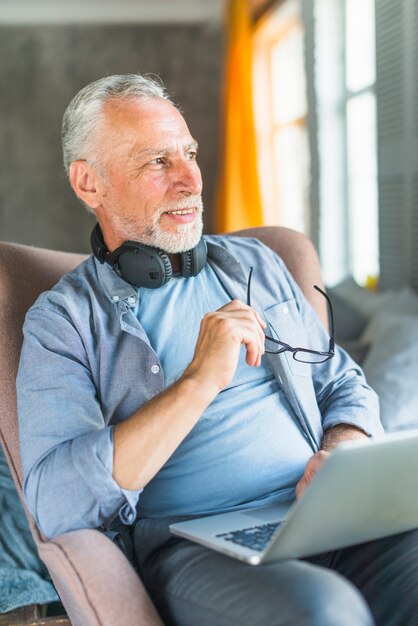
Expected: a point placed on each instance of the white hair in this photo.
(84, 115)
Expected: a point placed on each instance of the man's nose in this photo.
(188, 178)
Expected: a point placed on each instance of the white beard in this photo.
(185, 237)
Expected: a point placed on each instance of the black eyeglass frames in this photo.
(304, 355)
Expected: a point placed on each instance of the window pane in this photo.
(288, 77)
(362, 186)
(330, 90)
(360, 44)
(292, 163)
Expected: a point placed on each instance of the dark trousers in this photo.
(373, 583)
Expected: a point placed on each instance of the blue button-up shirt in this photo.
(87, 364)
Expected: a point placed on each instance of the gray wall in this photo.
(42, 67)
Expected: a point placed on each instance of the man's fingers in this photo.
(263, 324)
(312, 468)
(237, 305)
(250, 328)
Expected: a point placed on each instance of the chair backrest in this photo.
(26, 271)
(300, 257)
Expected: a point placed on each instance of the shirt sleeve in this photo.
(341, 390)
(66, 447)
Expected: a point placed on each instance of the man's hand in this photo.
(312, 467)
(221, 335)
(332, 437)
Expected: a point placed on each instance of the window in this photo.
(345, 87)
(361, 139)
(341, 59)
(281, 118)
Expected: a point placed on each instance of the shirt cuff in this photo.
(366, 422)
(93, 457)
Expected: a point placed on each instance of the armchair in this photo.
(96, 583)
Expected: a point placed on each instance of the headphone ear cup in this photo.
(193, 261)
(142, 266)
(186, 264)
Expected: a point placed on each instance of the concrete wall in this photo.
(42, 67)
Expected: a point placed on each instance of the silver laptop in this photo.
(366, 489)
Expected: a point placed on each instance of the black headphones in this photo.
(145, 266)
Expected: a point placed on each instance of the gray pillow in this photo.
(349, 322)
(356, 348)
(391, 368)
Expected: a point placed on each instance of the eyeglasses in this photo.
(304, 355)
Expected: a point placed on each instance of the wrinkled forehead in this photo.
(136, 125)
(128, 112)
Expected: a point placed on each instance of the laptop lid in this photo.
(366, 490)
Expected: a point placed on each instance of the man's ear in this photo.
(84, 181)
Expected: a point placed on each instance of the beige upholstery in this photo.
(301, 259)
(97, 585)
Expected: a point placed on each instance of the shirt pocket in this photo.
(285, 324)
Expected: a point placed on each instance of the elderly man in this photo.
(144, 393)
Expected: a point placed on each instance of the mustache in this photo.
(188, 202)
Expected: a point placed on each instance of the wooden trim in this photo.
(31, 616)
(261, 9)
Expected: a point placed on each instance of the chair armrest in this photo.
(95, 581)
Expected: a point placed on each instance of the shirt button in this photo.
(131, 300)
(155, 369)
(285, 310)
(115, 298)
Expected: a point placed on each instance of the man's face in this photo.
(151, 184)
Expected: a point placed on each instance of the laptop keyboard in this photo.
(255, 537)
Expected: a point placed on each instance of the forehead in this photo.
(146, 120)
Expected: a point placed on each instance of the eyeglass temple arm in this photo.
(249, 286)
(330, 313)
(330, 317)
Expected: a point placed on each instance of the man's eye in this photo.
(192, 155)
(158, 161)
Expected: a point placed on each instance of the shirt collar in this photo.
(115, 288)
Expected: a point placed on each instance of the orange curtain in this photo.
(239, 203)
